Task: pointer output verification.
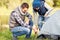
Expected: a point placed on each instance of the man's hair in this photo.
(25, 5)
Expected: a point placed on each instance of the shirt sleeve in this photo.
(20, 21)
(29, 16)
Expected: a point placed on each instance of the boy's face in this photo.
(24, 10)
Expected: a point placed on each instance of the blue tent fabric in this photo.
(52, 25)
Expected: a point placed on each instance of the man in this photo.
(43, 10)
(17, 24)
(52, 26)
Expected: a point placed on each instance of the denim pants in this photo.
(19, 30)
(41, 19)
(38, 19)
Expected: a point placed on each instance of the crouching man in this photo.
(17, 24)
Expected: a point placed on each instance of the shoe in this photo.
(41, 36)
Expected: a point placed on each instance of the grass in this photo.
(7, 35)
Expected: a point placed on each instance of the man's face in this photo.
(37, 8)
(24, 10)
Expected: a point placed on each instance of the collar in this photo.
(21, 11)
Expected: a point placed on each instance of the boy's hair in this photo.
(25, 5)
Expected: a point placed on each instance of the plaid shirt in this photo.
(17, 18)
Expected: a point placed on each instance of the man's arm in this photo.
(20, 21)
(49, 9)
(30, 19)
(29, 16)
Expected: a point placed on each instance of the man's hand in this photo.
(27, 20)
(35, 29)
(46, 15)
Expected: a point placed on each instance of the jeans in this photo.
(41, 19)
(19, 30)
(38, 19)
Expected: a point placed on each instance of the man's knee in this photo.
(28, 31)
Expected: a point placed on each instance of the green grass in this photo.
(7, 35)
